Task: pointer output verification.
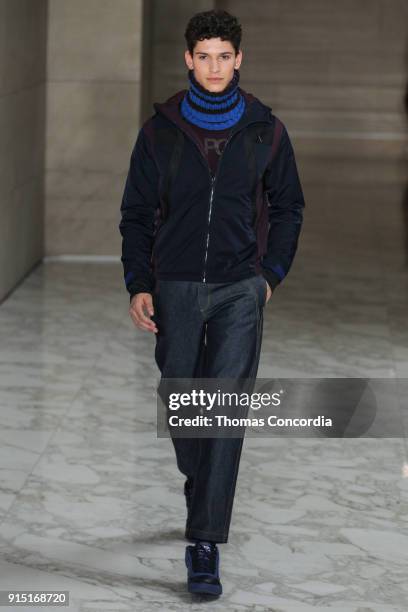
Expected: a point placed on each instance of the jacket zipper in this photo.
(213, 179)
(208, 225)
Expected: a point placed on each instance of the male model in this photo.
(211, 214)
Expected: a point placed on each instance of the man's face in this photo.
(213, 62)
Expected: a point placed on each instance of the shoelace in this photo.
(205, 558)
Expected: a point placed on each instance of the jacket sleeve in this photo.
(138, 210)
(285, 211)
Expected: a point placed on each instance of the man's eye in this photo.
(225, 57)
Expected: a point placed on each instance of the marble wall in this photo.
(93, 105)
(335, 72)
(22, 128)
(167, 45)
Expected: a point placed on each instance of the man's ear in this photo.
(238, 59)
(188, 59)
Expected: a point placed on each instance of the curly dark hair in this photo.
(213, 24)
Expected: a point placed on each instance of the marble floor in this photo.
(91, 500)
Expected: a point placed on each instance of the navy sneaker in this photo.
(203, 562)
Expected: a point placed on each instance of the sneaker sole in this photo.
(211, 589)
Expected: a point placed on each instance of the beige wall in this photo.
(22, 122)
(169, 19)
(335, 72)
(93, 91)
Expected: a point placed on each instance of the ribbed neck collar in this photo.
(213, 110)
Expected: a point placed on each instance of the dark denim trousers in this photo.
(209, 330)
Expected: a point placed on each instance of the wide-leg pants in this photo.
(209, 330)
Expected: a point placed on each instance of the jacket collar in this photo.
(255, 111)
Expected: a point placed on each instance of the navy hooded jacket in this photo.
(218, 229)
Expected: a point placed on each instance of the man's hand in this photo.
(268, 292)
(142, 303)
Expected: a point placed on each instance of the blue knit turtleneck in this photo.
(213, 110)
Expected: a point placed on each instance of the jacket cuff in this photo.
(132, 293)
(271, 277)
(139, 288)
